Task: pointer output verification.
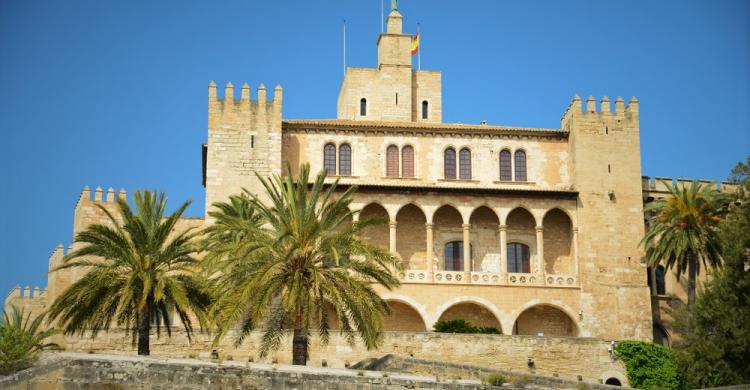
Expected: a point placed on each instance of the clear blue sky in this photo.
(114, 94)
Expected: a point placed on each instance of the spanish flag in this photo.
(415, 44)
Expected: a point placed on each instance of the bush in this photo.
(494, 379)
(21, 340)
(462, 326)
(649, 365)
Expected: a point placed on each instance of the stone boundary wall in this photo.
(72, 371)
(563, 357)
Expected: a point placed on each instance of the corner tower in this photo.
(393, 91)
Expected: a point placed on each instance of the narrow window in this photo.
(329, 158)
(660, 286)
(391, 161)
(252, 141)
(518, 258)
(454, 256)
(363, 107)
(425, 109)
(397, 98)
(449, 163)
(520, 165)
(345, 160)
(464, 166)
(506, 173)
(407, 161)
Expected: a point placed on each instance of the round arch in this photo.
(518, 206)
(465, 303)
(545, 319)
(376, 235)
(558, 242)
(570, 215)
(412, 236)
(404, 317)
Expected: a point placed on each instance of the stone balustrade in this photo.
(489, 278)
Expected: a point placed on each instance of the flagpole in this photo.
(382, 17)
(344, 47)
(419, 51)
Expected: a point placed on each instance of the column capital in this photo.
(575, 229)
(428, 225)
(466, 226)
(539, 228)
(392, 224)
(502, 227)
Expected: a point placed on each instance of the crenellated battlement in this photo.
(99, 196)
(245, 111)
(603, 113)
(659, 184)
(32, 302)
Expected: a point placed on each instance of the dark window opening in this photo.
(345, 160)
(519, 258)
(660, 285)
(329, 158)
(464, 166)
(613, 382)
(363, 107)
(252, 141)
(454, 256)
(425, 107)
(391, 161)
(506, 172)
(520, 165)
(449, 163)
(397, 98)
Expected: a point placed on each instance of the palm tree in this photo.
(303, 262)
(683, 233)
(139, 270)
(21, 340)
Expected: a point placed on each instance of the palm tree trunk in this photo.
(144, 328)
(692, 268)
(299, 343)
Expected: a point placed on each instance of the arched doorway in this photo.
(545, 320)
(412, 236)
(558, 242)
(484, 239)
(660, 335)
(472, 312)
(448, 233)
(403, 318)
(521, 238)
(377, 235)
(613, 382)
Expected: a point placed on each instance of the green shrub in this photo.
(494, 379)
(462, 326)
(21, 340)
(649, 365)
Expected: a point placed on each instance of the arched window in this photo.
(454, 256)
(660, 286)
(363, 107)
(506, 173)
(391, 161)
(425, 109)
(329, 158)
(407, 161)
(613, 382)
(518, 257)
(449, 163)
(464, 166)
(345, 160)
(520, 165)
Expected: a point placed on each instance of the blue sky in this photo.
(114, 93)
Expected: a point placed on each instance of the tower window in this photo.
(363, 107)
(449, 163)
(506, 173)
(518, 257)
(329, 158)
(425, 109)
(407, 161)
(660, 285)
(520, 165)
(464, 166)
(345, 160)
(391, 161)
(397, 98)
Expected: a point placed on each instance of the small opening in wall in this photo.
(606, 130)
(609, 168)
(397, 98)
(252, 141)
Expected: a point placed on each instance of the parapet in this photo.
(662, 184)
(85, 196)
(229, 109)
(576, 107)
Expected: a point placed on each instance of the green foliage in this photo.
(716, 343)
(21, 340)
(138, 269)
(462, 326)
(649, 365)
(682, 231)
(494, 379)
(299, 263)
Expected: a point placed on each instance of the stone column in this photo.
(503, 229)
(467, 247)
(392, 226)
(540, 248)
(428, 249)
(575, 250)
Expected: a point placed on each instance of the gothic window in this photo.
(464, 165)
(660, 286)
(407, 161)
(506, 173)
(345, 160)
(391, 161)
(449, 163)
(363, 107)
(454, 256)
(425, 109)
(329, 158)
(520, 165)
(518, 258)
